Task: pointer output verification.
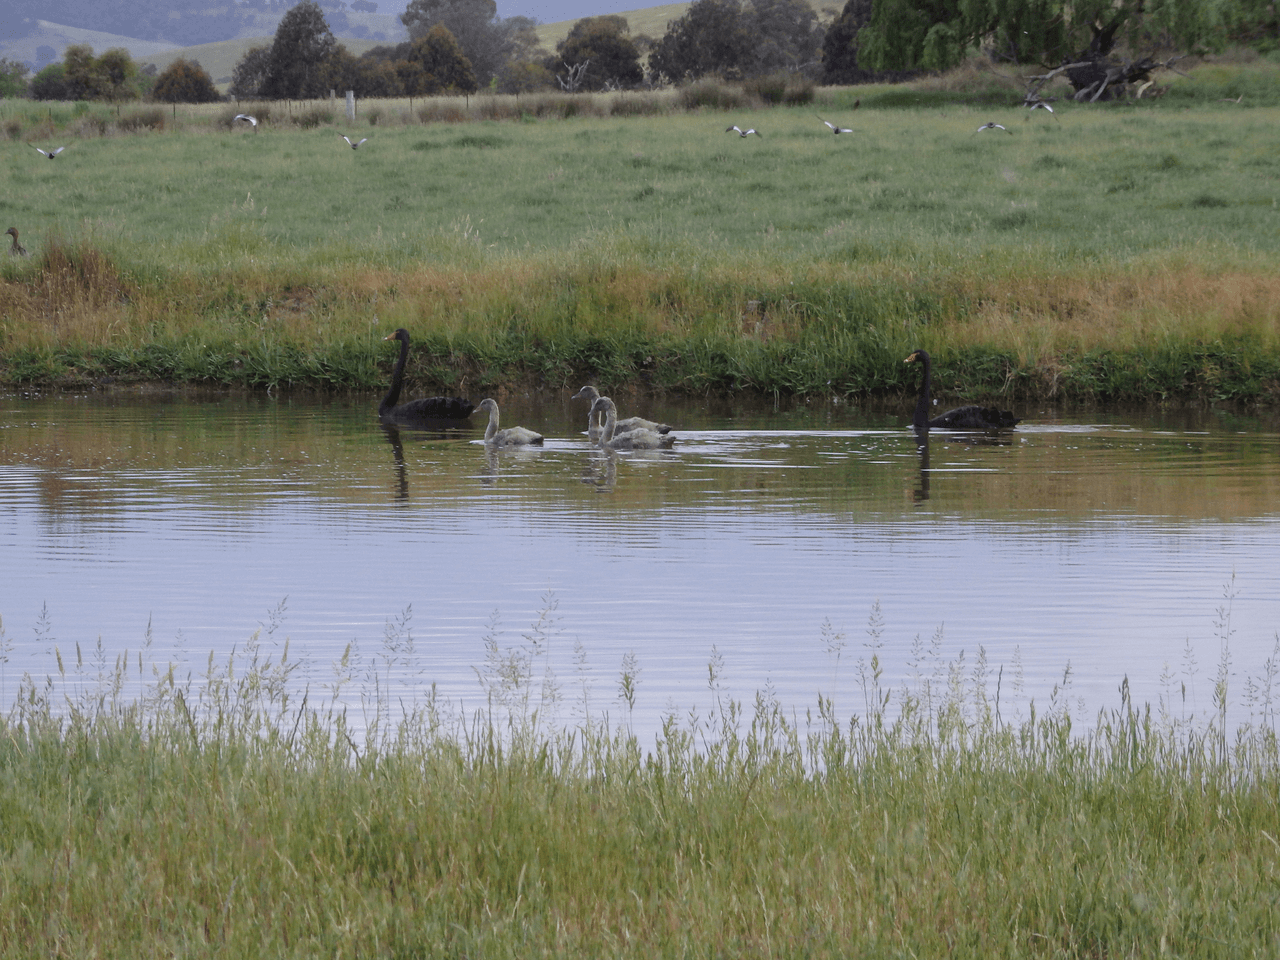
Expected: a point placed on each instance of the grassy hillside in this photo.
(220, 59)
(59, 37)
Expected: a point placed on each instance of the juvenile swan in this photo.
(510, 437)
(638, 439)
(595, 423)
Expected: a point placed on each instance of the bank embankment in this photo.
(1166, 330)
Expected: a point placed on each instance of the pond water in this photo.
(773, 550)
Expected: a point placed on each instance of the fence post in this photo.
(351, 106)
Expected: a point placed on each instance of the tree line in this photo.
(461, 46)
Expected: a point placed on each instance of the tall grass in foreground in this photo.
(230, 818)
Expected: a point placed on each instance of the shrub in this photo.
(310, 119)
(153, 119)
(714, 95)
(185, 81)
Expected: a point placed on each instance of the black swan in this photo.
(17, 250)
(639, 439)
(510, 437)
(961, 418)
(595, 424)
(428, 410)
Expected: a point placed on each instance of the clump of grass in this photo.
(714, 95)
(153, 118)
(232, 811)
(309, 119)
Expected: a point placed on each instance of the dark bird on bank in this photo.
(17, 250)
(510, 437)
(50, 153)
(992, 125)
(252, 121)
(836, 130)
(961, 418)
(425, 411)
(743, 133)
(353, 145)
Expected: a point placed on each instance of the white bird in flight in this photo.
(992, 125)
(350, 144)
(252, 121)
(50, 153)
(744, 133)
(1041, 105)
(837, 130)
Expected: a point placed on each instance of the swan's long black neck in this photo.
(923, 405)
(397, 377)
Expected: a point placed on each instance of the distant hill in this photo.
(652, 21)
(219, 59)
(37, 42)
(46, 42)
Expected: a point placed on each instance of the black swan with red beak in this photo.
(961, 418)
(427, 410)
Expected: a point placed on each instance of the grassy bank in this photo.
(226, 818)
(1117, 253)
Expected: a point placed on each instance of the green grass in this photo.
(225, 816)
(1144, 232)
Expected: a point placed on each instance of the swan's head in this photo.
(402, 334)
(586, 393)
(488, 404)
(603, 405)
(917, 356)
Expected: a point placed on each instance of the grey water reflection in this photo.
(788, 545)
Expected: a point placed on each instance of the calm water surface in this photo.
(179, 527)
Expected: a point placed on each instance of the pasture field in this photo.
(1124, 251)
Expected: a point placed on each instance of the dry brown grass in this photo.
(1040, 316)
(76, 294)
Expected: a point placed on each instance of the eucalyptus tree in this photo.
(302, 45)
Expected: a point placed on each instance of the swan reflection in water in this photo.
(921, 492)
(601, 470)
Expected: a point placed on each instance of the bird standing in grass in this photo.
(743, 133)
(17, 250)
(50, 153)
(353, 145)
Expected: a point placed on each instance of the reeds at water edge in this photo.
(238, 814)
